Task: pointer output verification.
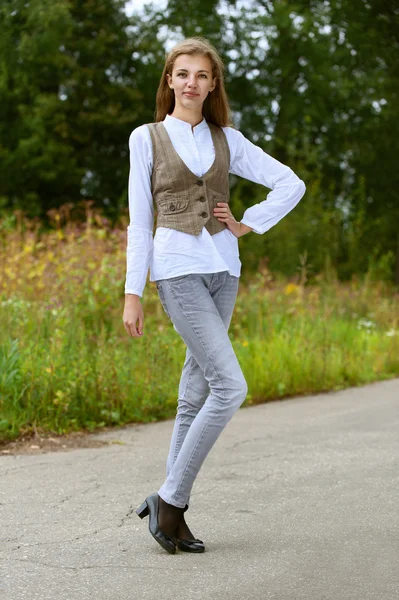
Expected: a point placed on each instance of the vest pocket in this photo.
(171, 206)
(218, 197)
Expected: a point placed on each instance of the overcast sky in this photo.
(137, 4)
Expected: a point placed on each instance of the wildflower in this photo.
(366, 324)
(291, 288)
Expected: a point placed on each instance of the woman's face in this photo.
(191, 80)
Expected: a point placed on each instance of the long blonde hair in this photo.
(216, 107)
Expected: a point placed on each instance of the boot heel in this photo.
(143, 510)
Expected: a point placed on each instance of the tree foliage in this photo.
(69, 93)
(315, 83)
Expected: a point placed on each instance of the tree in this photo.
(70, 98)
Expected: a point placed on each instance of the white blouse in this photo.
(170, 252)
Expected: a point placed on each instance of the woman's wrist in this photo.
(132, 297)
(244, 229)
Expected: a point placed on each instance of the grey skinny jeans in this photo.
(212, 386)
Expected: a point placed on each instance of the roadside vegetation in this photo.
(67, 364)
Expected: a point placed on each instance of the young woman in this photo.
(181, 164)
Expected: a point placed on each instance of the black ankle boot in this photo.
(150, 507)
(192, 544)
(169, 516)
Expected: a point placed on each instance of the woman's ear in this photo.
(169, 80)
(213, 84)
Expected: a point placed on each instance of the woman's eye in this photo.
(203, 75)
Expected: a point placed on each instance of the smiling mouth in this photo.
(191, 95)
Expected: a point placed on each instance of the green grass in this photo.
(67, 364)
(75, 367)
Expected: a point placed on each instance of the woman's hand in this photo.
(132, 313)
(223, 213)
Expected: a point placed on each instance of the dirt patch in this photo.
(40, 443)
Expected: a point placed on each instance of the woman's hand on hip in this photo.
(223, 213)
(133, 316)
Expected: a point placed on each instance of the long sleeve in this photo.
(140, 230)
(251, 162)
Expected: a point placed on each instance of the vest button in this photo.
(204, 214)
(200, 182)
(202, 199)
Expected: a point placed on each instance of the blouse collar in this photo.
(183, 126)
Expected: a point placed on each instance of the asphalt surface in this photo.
(298, 499)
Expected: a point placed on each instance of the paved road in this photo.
(298, 499)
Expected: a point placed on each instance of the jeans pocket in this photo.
(178, 278)
(162, 297)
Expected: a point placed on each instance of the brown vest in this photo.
(184, 201)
